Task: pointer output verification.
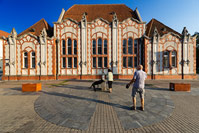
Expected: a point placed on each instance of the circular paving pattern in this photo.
(72, 105)
(158, 106)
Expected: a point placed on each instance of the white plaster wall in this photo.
(89, 63)
(191, 58)
(38, 60)
(50, 61)
(1, 49)
(149, 58)
(1, 55)
(7, 53)
(19, 59)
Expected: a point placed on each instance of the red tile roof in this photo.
(161, 28)
(104, 11)
(3, 33)
(37, 28)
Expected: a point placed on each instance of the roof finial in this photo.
(13, 33)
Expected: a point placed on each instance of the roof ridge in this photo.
(34, 25)
(150, 26)
(100, 4)
(166, 25)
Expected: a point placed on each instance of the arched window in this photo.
(33, 59)
(124, 46)
(63, 47)
(69, 46)
(25, 59)
(105, 46)
(166, 59)
(94, 46)
(130, 46)
(99, 46)
(174, 59)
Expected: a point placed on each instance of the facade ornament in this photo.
(43, 36)
(84, 20)
(12, 37)
(43, 63)
(115, 20)
(11, 63)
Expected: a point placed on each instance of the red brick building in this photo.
(88, 39)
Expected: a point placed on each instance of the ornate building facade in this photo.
(88, 39)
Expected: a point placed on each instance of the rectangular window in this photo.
(174, 59)
(94, 62)
(94, 47)
(105, 61)
(124, 61)
(69, 46)
(69, 62)
(75, 62)
(124, 46)
(64, 62)
(130, 46)
(100, 62)
(166, 59)
(63, 47)
(75, 47)
(105, 46)
(135, 62)
(33, 59)
(130, 61)
(25, 60)
(99, 46)
(135, 46)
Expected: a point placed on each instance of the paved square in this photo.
(72, 107)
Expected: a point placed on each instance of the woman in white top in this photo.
(110, 80)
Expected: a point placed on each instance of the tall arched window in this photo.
(100, 58)
(99, 46)
(75, 46)
(94, 46)
(130, 58)
(124, 46)
(105, 46)
(174, 58)
(25, 59)
(166, 59)
(63, 47)
(69, 46)
(33, 59)
(130, 46)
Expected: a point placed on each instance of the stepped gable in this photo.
(3, 33)
(36, 28)
(104, 11)
(161, 28)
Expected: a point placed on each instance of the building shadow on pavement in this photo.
(87, 99)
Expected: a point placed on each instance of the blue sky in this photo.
(176, 14)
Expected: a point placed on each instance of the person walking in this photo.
(138, 86)
(110, 80)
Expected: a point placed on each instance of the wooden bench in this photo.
(31, 87)
(180, 87)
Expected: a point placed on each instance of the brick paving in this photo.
(17, 118)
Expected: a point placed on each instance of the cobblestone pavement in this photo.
(18, 113)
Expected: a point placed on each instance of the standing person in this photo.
(110, 80)
(138, 86)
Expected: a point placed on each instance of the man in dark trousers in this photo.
(138, 86)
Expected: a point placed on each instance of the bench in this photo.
(31, 87)
(180, 87)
